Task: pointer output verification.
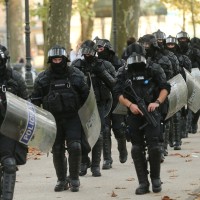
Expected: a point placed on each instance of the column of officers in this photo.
(142, 73)
(138, 81)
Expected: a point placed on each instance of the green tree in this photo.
(187, 7)
(87, 14)
(15, 29)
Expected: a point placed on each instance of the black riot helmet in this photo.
(159, 35)
(183, 34)
(150, 44)
(104, 43)
(171, 43)
(4, 56)
(88, 47)
(183, 40)
(148, 41)
(135, 57)
(57, 51)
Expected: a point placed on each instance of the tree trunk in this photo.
(58, 25)
(127, 18)
(16, 30)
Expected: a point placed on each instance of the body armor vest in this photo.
(62, 98)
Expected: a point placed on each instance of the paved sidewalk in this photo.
(180, 175)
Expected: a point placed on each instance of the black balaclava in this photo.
(136, 67)
(59, 68)
(184, 45)
(105, 54)
(90, 59)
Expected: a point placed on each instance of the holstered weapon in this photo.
(142, 106)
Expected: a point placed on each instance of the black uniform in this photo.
(62, 90)
(184, 62)
(114, 121)
(103, 79)
(13, 82)
(194, 55)
(147, 83)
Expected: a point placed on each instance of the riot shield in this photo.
(28, 124)
(90, 118)
(120, 109)
(193, 92)
(196, 73)
(178, 95)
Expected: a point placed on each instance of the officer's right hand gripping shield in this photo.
(28, 124)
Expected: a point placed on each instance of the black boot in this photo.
(74, 149)
(60, 165)
(9, 178)
(154, 161)
(123, 154)
(85, 164)
(139, 159)
(96, 157)
(107, 159)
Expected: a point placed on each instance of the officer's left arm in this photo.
(103, 73)
(22, 87)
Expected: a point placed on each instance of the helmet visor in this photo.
(57, 52)
(87, 51)
(136, 59)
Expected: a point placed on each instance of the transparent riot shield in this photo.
(193, 86)
(196, 73)
(90, 118)
(120, 109)
(28, 124)
(178, 95)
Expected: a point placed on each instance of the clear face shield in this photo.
(136, 59)
(57, 52)
(87, 51)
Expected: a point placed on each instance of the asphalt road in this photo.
(180, 175)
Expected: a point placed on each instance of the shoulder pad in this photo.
(76, 62)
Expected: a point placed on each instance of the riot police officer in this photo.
(103, 78)
(173, 125)
(114, 121)
(12, 81)
(154, 54)
(136, 83)
(62, 90)
(194, 55)
(184, 62)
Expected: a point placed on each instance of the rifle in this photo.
(142, 106)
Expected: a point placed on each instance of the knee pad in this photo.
(9, 165)
(74, 146)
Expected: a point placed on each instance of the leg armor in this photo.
(96, 157)
(60, 165)
(154, 161)
(74, 150)
(9, 178)
(107, 143)
(140, 162)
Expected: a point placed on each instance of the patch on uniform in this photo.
(31, 123)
